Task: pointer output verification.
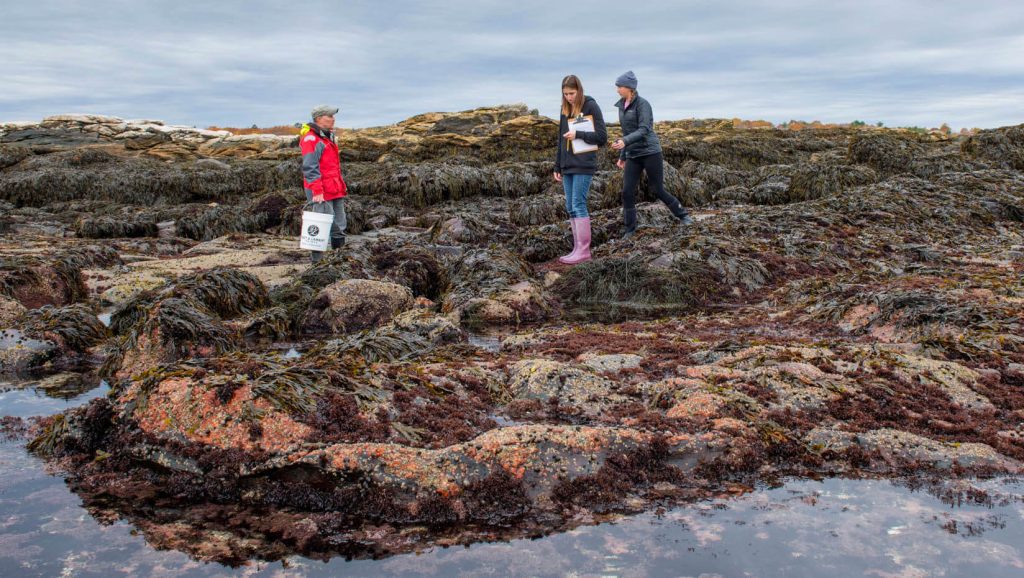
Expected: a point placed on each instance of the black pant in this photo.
(654, 165)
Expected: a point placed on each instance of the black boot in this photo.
(315, 256)
(629, 222)
(679, 212)
(337, 242)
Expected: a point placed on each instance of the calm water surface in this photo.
(804, 528)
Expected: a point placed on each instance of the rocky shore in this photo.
(849, 302)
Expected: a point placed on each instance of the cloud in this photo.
(267, 62)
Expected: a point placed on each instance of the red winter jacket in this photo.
(321, 167)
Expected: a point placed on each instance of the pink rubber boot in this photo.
(582, 228)
(575, 244)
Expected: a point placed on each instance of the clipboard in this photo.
(585, 124)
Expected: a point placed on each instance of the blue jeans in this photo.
(576, 189)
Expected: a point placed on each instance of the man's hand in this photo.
(318, 198)
(619, 144)
(620, 163)
(558, 177)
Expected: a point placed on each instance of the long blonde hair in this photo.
(572, 81)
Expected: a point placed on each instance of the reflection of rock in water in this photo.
(847, 303)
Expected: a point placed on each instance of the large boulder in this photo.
(354, 305)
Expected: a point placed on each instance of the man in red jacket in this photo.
(321, 173)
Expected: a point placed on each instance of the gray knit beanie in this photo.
(628, 79)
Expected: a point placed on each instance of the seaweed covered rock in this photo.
(737, 149)
(428, 184)
(182, 319)
(19, 352)
(636, 286)
(415, 267)
(537, 210)
(224, 291)
(10, 312)
(573, 389)
(12, 155)
(1003, 147)
(220, 220)
(886, 152)
(355, 304)
(54, 279)
(94, 173)
(458, 230)
(434, 328)
(492, 286)
(818, 180)
(73, 328)
(168, 330)
(116, 228)
(902, 449)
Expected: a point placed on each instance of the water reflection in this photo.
(49, 395)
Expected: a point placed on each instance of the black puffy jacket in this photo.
(637, 124)
(585, 163)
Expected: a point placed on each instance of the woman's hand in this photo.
(620, 163)
(318, 198)
(619, 144)
(558, 177)
(571, 135)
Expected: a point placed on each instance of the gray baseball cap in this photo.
(324, 110)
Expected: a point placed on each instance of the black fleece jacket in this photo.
(585, 163)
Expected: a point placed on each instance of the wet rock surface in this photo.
(849, 301)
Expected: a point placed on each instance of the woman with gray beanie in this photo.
(640, 152)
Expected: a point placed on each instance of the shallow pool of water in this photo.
(803, 528)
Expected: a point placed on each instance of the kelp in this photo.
(293, 390)
(271, 324)
(1003, 147)
(428, 184)
(219, 221)
(377, 345)
(538, 210)
(55, 278)
(414, 267)
(183, 325)
(46, 443)
(99, 175)
(887, 152)
(814, 181)
(74, 326)
(685, 283)
(226, 291)
(166, 329)
(332, 267)
(116, 228)
(482, 273)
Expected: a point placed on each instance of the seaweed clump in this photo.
(183, 319)
(685, 284)
(115, 228)
(74, 327)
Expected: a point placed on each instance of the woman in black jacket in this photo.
(640, 151)
(576, 170)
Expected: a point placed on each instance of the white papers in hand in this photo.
(585, 124)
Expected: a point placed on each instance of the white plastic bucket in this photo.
(316, 231)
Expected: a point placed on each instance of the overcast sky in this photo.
(267, 62)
